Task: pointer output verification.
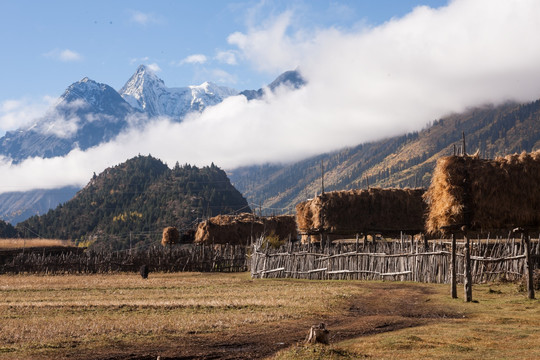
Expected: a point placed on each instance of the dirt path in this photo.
(387, 307)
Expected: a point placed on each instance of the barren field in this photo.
(230, 316)
(26, 243)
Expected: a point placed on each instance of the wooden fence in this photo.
(388, 260)
(206, 258)
(393, 260)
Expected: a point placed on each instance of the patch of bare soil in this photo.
(387, 307)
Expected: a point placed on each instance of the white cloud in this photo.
(69, 55)
(194, 59)
(62, 120)
(154, 67)
(73, 169)
(408, 70)
(227, 57)
(270, 48)
(138, 60)
(61, 126)
(65, 55)
(15, 114)
(144, 19)
(363, 85)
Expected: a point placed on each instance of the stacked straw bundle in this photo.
(484, 195)
(238, 229)
(350, 212)
(170, 236)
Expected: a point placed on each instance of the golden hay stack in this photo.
(170, 236)
(361, 211)
(237, 229)
(485, 195)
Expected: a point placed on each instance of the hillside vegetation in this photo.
(404, 161)
(140, 196)
(7, 230)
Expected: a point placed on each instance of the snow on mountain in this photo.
(87, 114)
(147, 92)
(90, 113)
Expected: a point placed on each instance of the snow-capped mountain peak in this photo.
(142, 77)
(147, 92)
(90, 93)
(86, 114)
(142, 85)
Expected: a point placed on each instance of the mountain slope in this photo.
(141, 195)
(148, 93)
(87, 114)
(404, 161)
(291, 79)
(18, 206)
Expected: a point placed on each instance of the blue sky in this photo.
(374, 69)
(47, 45)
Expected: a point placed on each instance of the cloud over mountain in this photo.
(363, 84)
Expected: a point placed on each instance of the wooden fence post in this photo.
(453, 277)
(529, 265)
(467, 281)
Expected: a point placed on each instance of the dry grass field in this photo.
(20, 243)
(230, 316)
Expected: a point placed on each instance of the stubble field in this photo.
(230, 316)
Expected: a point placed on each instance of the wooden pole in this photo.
(322, 177)
(528, 264)
(453, 277)
(467, 281)
(365, 241)
(463, 139)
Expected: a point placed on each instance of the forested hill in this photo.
(404, 161)
(7, 230)
(140, 196)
